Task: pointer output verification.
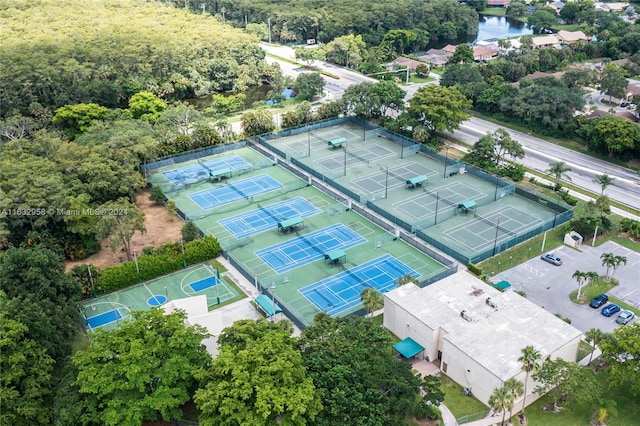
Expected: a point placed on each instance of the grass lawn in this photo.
(494, 11)
(413, 78)
(523, 252)
(584, 349)
(589, 292)
(628, 408)
(459, 404)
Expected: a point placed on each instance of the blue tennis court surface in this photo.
(196, 172)
(267, 217)
(342, 291)
(234, 191)
(204, 284)
(309, 247)
(104, 319)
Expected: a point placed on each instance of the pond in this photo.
(500, 27)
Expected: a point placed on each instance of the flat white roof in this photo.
(495, 336)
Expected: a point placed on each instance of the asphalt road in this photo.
(538, 153)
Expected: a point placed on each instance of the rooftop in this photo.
(495, 336)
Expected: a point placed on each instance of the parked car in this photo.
(552, 259)
(624, 104)
(610, 309)
(599, 300)
(625, 317)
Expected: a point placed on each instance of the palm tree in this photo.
(529, 359)
(612, 263)
(603, 204)
(501, 399)
(372, 300)
(559, 170)
(591, 276)
(607, 261)
(580, 277)
(617, 261)
(517, 389)
(594, 336)
(603, 180)
(408, 278)
(606, 408)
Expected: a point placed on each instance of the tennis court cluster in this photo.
(461, 210)
(107, 311)
(286, 235)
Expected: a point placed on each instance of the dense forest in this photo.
(59, 52)
(324, 20)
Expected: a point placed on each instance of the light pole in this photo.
(184, 257)
(273, 301)
(93, 289)
(308, 141)
(435, 222)
(166, 294)
(446, 161)
(386, 183)
(135, 258)
(344, 148)
(495, 241)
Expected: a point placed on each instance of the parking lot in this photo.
(549, 286)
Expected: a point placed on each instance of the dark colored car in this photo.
(552, 259)
(610, 310)
(625, 317)
(624, 104)
(599, 300)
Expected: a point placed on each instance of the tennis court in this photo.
(425, 204)
(107, 311)
(482, 231)
(342, 291)
(267, 217)
(231, 192)
(204, 169)
(309, 247)
(352, 156)
(392, 177)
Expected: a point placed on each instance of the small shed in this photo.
(416, 181)
(573, 239)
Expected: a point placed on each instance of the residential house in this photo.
(571, 37)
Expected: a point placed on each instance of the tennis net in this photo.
(437, 196)
(320, 138)
(364, 160)
(357, 278)
(268, 212)
(237, 190)
(203, 165)
(386, 170)
(309, 243)
(493, 224)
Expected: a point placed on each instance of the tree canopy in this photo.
(143, 370)
(359, 380)
(55, 56)
(621, 351)
(258, 378)
(438, 108)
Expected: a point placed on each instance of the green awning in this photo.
(408, 347)
(267, 306)
(290, 223)
(502, 285)
(467, 205)
(334, 255)
(417, 180)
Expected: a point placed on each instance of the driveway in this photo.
(549, 286)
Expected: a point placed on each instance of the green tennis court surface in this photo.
(107, 311)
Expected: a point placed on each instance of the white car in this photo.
(625, 317)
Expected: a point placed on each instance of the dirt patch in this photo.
(161, 227)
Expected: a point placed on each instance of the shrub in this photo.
(167, 258)
(171, 207)
(189, 231)
(568, 198)
(157, 195)
(631, 227)
(475, 269)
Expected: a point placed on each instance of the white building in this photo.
(476, 333)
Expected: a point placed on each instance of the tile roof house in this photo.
(569, 37)
(435, 57)
(407, 62)
(484, 53)
(498, 3)
(545, 41)
(612, 7)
